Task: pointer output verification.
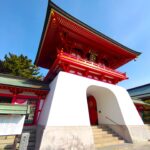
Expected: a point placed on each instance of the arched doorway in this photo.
(92, 106)
(108, 109)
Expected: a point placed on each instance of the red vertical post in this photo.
(36, 111)
(13, 99)
(14, 95)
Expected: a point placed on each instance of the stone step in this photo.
(99, 127)
(6, 141)
(106, 138)
(103, 132)
(31, 144)
(7, 137)
(99, 145)
(6, 147)
(29, 128)
(103, 136)
(32, 138)
(31, 147)
(96, 141)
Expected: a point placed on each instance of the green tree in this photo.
(19, 66)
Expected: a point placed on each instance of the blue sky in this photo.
(128, 22)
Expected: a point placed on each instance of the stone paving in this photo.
(141, 146)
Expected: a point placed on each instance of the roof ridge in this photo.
(19, 77)
(54, 6)
(148, 84)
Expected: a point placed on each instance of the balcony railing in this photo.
(65, 60)
(89, 63)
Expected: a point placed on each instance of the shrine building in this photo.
(141, 98)
(79, 98)
(82, 77)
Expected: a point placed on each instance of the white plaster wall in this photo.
(45, 113)
(66, 104)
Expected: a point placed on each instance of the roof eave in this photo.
(31, 83)
(43, 32)
(51, 5)
(55, 7)
(137, 87)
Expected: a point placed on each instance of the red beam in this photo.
(17, 90)
(6, 95)
(91, 66)
(66, 61)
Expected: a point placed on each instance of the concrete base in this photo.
(137, 146)
(131, 133)
(139, 133)
(65, 138)
(39, 134)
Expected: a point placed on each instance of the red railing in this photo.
(99, 65)
(83, 64)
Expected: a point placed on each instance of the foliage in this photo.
(19, 66)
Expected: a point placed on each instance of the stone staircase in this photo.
(7, 142)
(103, 136)
(32, 137)
(12, 142)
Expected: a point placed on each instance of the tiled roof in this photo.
(11, 80)
(52, 6)
(140, 91)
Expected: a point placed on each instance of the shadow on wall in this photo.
(107, 105)
(109, 112)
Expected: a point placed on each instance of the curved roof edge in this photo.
(17, 81)
(140, 86)
(51, 5)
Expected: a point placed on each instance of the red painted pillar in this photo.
(13, 99)
(36, 111)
